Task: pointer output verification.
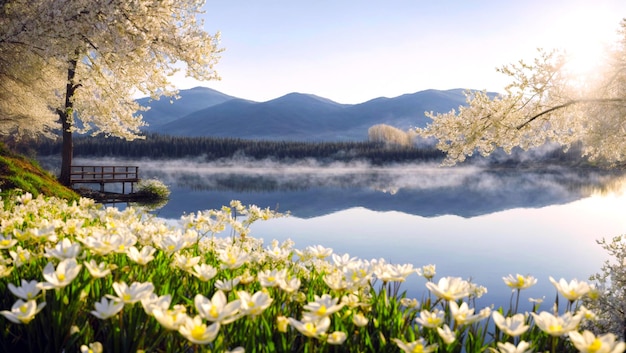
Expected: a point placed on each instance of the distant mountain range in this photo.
(203, 111)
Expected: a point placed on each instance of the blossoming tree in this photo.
(83, 62)
(546, 101)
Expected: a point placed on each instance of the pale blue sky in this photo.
(353, 51)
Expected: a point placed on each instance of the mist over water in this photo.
(310, 188)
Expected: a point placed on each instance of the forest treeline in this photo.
(158, 146)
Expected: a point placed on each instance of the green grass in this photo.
(20, 173)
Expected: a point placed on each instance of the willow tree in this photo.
(96, 56)
(389, 135)
(546, 102)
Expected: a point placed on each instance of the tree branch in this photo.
(569, 103)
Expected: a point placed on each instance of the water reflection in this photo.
(309, 189)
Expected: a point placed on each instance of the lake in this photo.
(470, 221)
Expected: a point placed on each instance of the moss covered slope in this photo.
(18, 172)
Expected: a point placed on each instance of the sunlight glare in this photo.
(585, 36)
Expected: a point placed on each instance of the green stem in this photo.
(517, 301)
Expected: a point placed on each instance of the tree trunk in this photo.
(66, 116)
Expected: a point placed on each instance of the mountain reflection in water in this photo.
(308, 189)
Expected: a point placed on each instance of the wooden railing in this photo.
(89, 174)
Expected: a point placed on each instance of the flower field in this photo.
(79, 277)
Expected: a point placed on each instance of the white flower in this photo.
(232, 258)
(314, 329)
(23, 312)
(20, 256)
(97, 270)
(556, 325)
(428, 271)
(24, 198)
(336, 338)
(395, 273)
(60, 277)
(359, 319)
(430, 319)
(322, 306)
(343, 260)
(573, 290)
(172, 242)
(218, 309)
(351, 300)
(358, 275)
(450, 288)
(509, 347)
(7, 241)
(27, 291)
(44, 232)
(171, 319)
(95, 347)
(317, 251)
(132, 294)
(277, 253)
(290, 285)
(586, 313)
(519, 282)
(143, 256)
(282, 323)
(5, 270)
(410, 303)
(512, 326)
(447, 335)
(464, 315)
(198, 332)
(419, 345)
(335, 280)
(228, 284)
(204, 272)
(587, 342)
(153, 301)
(272, 278)
(477, 291)
(254, 304)
(107, 308)
(185, 263)
(102, 242)
(64, 250)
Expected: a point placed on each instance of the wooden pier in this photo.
(89, 174)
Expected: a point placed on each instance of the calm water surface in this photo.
(469, 221)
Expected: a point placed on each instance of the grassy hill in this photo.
(18, 172)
